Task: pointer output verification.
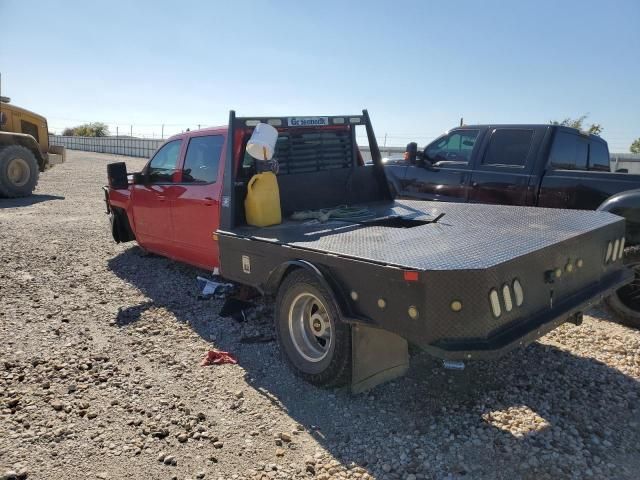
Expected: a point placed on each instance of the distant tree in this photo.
(635, 146)
(95, 129)
(594, 128)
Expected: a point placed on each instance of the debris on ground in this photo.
(218, 357)
(236, 309)
(209, 287)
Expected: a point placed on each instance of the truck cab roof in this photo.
(531, 126)
(218, 130)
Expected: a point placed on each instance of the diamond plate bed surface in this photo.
(468, 236)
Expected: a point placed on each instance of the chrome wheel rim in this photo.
(310, 327)
(18, 172)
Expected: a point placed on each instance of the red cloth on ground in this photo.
(218, 357)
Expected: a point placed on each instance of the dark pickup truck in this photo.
(530, 165)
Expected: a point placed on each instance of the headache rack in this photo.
(300, 151)
(313, 146)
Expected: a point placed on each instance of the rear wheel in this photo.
(18, 171)
(312, 337)
(625, 303)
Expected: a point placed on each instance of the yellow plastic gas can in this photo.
(262, 205)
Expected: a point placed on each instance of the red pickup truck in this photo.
(460, 281)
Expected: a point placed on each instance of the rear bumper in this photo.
(529, 329)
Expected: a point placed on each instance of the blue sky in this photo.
(417, 66)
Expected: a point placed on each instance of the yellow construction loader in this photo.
(24, 149)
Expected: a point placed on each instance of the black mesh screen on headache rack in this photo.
(299, 151)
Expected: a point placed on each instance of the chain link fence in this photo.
(128, 146)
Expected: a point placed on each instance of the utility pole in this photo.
(198, 126)
(162, 135)
(131, 131)
(461, 121)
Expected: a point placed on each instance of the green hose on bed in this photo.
(343, 212)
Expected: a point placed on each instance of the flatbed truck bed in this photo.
(460, 256)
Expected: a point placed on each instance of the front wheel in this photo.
(18, 171)
(312, 337)
(625, 303)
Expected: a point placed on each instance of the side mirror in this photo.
(117, 176)
(411, 152)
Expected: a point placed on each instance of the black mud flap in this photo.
(378, 356)
(114, 227)
(120, 228)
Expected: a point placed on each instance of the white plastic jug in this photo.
(262, 143)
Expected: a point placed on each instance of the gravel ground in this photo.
(100, 377)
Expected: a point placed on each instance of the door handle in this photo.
(208, 201)
(161, 198)
(474, 184)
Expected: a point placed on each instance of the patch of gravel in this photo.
(100, 377)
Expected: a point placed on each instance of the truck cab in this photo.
(172, 205)
(535, 165)
(530, 165)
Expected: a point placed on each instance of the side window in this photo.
(165, 162)
(30, 129)
(599, 156)
(202, 159)
(569, 152)
(456, 146)
(508, 147)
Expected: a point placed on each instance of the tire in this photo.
(625, 303)
(18, 171)
(321, 353)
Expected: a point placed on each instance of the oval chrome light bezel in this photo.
(506, 295)
(518, 292)
(494, 300)
(609, 251)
